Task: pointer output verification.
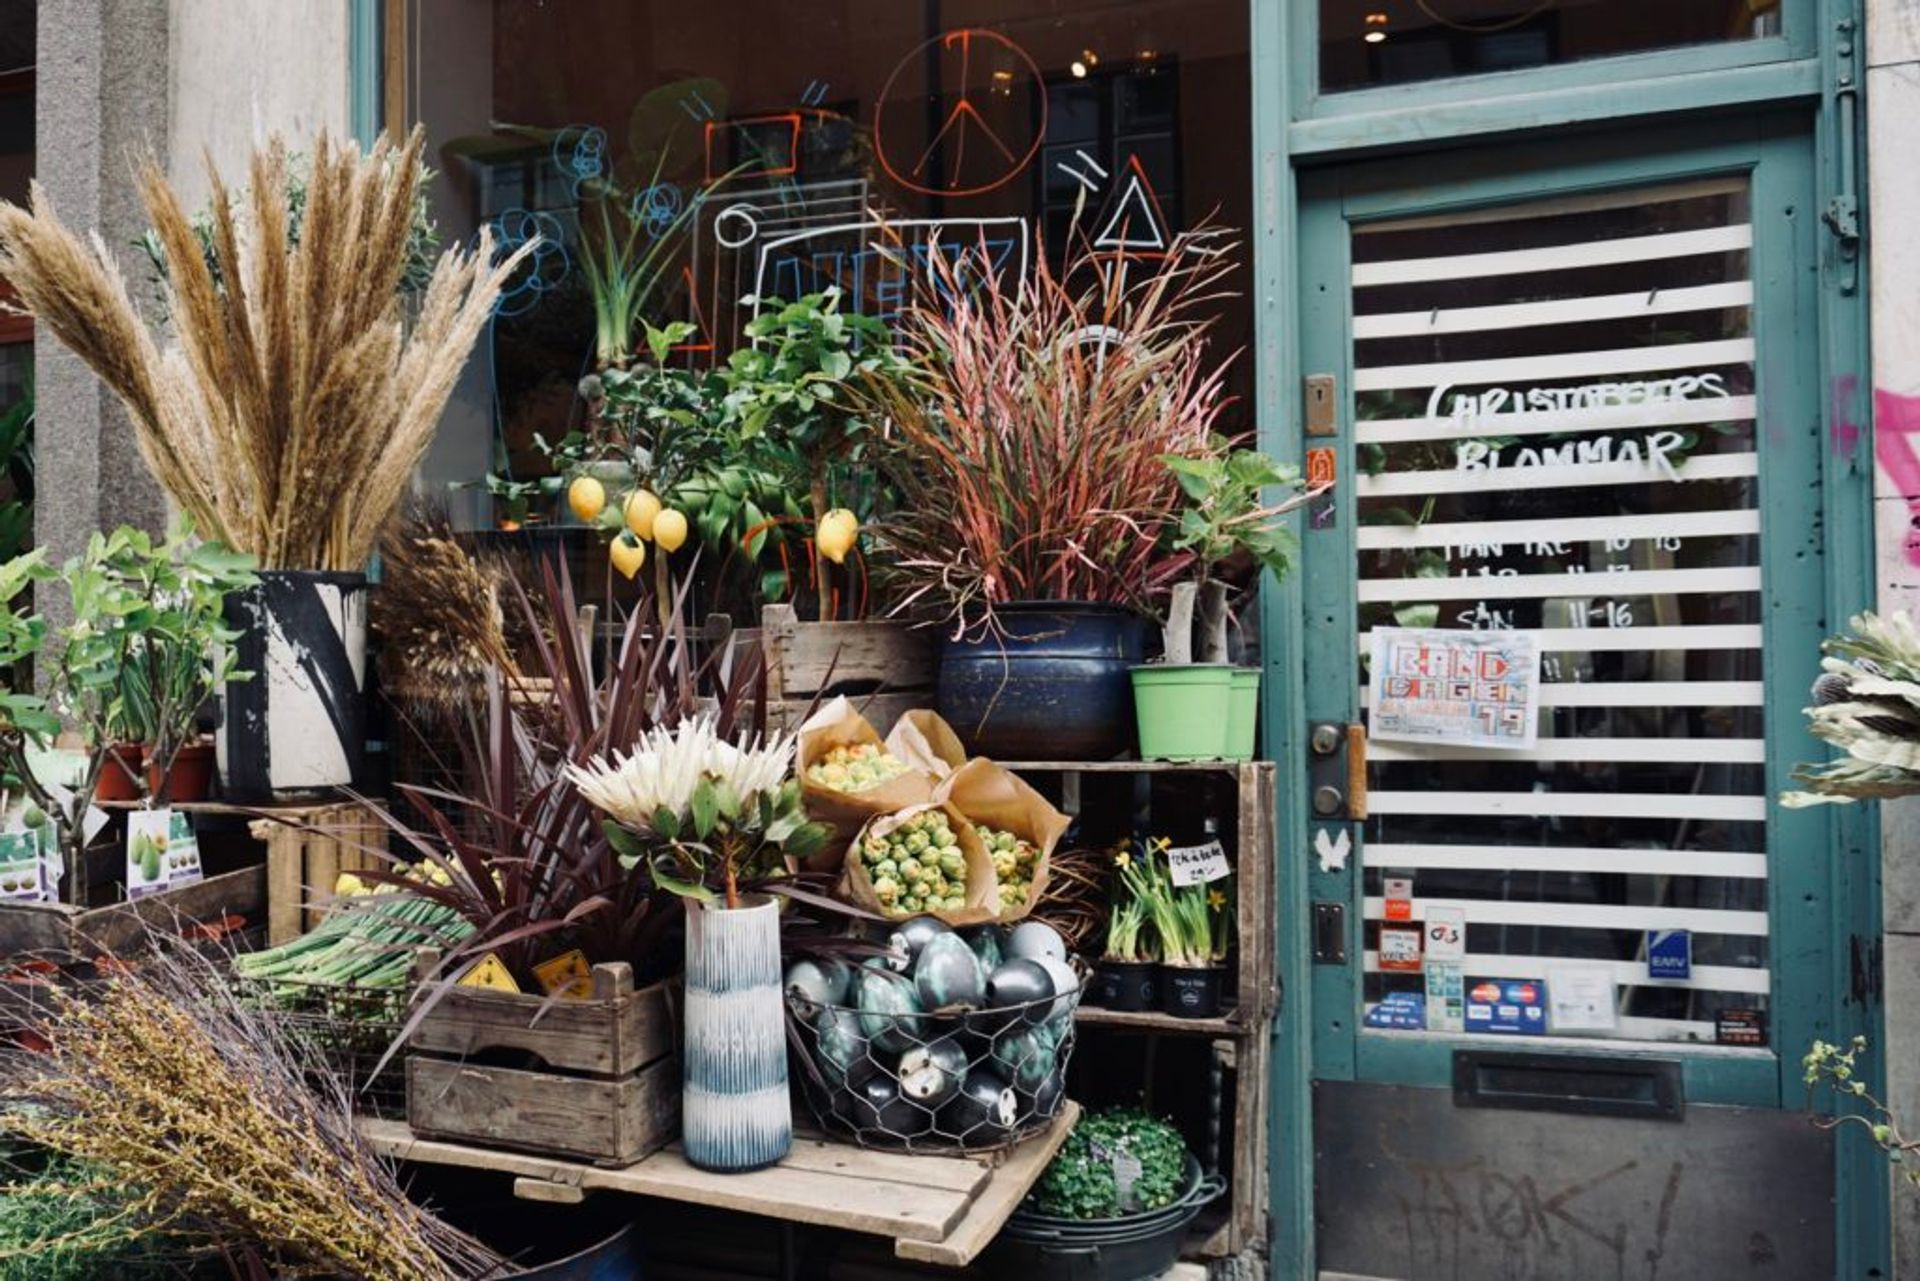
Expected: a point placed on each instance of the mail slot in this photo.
(1584, 1084)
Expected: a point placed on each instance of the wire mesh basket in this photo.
(343, 1031)
(944, 1081)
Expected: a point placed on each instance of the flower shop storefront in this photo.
(1540, 299)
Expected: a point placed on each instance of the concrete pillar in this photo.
(1893, 104)
(101, 101)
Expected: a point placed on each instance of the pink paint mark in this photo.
(1845, 431)
(1896, 422)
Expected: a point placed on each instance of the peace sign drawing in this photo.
(990, 102)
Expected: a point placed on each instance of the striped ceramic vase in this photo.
(735, 1111)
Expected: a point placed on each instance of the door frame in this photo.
(1821, 73)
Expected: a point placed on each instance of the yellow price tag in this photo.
(566, 974)
(491, 975)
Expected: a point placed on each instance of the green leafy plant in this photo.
(136, 607)
(1083, 1180)
(790, 396)
(1188, 921)
(17, 460)
(513, 497)
(1226, 517)
(626, 263)
(1126, 923)
(1837, 1068)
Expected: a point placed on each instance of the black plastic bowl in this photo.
(1132, 1247)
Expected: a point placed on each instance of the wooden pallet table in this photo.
(937, 1209)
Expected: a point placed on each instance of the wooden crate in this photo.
(122, 928)
(884, 666)
(308, 847)
(608, 1090)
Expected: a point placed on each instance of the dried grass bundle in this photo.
(290, 407)
(438, 614)
(198, 1106)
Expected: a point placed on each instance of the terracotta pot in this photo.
(192, 773)
(118, 782)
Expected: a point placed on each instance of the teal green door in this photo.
(1561, 981)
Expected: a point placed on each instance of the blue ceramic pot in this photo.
(735, 1111)
(1053, 686)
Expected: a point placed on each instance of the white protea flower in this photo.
(666, 766)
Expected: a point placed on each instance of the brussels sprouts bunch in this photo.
(917, 867)
(855, 768)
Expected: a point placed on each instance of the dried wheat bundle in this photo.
(287, 411)
(438, 614)
(198, 1106)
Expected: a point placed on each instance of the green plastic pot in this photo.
(1244, 714)
(1183, 710)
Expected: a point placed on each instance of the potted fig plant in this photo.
(1035, 511)
(701, 816)
(1194, 704)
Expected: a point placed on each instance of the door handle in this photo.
(1337, 770)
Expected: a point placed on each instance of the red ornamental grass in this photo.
(1028, 449)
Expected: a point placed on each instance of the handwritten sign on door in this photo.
(1480, 689)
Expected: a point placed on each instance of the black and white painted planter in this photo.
(735, 1112)
(298, 727)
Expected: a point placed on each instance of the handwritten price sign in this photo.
(1198, 864)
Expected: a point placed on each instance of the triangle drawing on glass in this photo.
(1136, 224)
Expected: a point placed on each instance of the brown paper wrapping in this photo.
(991, 796)
(927, 743)
(837, 724)
(983, 891)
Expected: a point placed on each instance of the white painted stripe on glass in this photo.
(1645, 694)
(1565, 529)
(1717, 751)
(1706, 978)
(1557, 476)
(1752, 809)
(1586, 253)
(1582, 639)
(1604, 585)
(1587, 916)
(1572, 364)
(1567, 858)
(1560, 311)
(1535, 422)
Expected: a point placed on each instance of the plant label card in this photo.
(183, 850)
(1198, 864)
(1446, 933)
(149, 832)
(1582, 998)
(23, 869)
(1471, 689)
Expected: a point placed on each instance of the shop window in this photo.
(784, 148)
(1384, 42)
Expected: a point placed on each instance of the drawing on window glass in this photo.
(994, 113)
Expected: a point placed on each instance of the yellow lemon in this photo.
(587, 497)
(628, 554)
(640, 509)
(670, 529)
(839, 530)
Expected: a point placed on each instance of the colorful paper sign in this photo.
(1581, 998)
(23, 867)
(1509, 1007)
(1446, 933)
(1669, 954)
(1477, 689)
(1399, 948)
(1402, 1011)
(1446, 996)
(1740, 1027)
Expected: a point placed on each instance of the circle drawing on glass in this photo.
(580, 154)
(656, 208)
(991, 103)
(735, 226)
(544, 269)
